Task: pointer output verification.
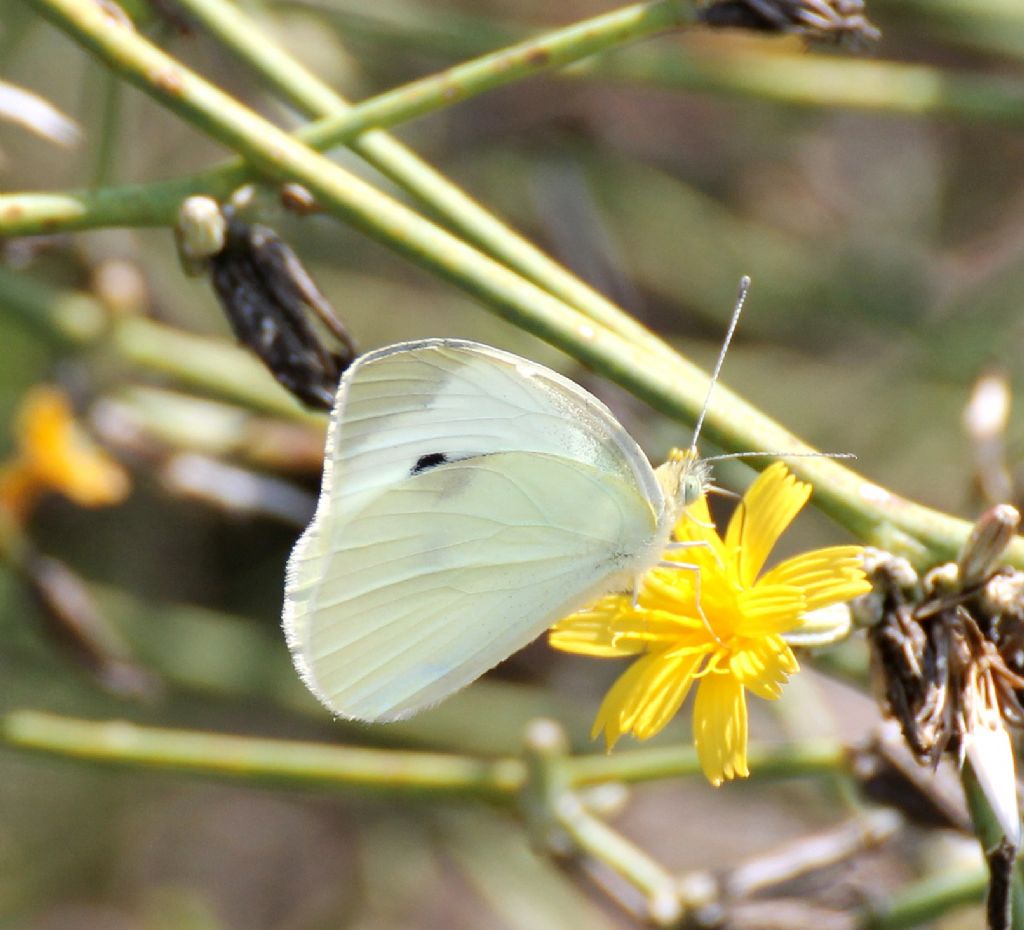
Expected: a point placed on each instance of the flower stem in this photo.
(593, 836)
(1007, 887)
(293, 764)
(825, 81)
(214, 365)
(775, 72)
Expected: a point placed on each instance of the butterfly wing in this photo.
(470, 500)
(401, 407)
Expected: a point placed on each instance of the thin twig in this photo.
(458, 210)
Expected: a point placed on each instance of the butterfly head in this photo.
(684, 477)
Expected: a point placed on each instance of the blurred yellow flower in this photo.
(732, 643)
(54, 453)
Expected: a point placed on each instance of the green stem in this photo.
(157, 204)
(930, 899)
(678, 389)
(289, 762)
(806, 80)
(457, 209)
(211, 364)
(990, 835)
(68, 317)
(881, 86)
(111, 93)
(594, 837)
(551, 50)
(280, 762)
(804, 758)
(774, 74)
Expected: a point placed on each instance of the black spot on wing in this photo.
(428, 461)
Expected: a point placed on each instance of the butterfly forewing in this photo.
(417, 401)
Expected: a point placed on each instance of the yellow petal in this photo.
(613, 627)
(767, 609)
(591, 632)
(645, 696)
(675, 591)
(659, 629)
(764, 665)
(767, 508)
(826, 576)
(720, 728)
(671, 590)
(595, 642)
(611, 717)
(665, 693)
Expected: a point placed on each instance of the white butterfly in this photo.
(470, 499)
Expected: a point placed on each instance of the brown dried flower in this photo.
(947, 651)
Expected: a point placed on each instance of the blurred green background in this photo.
(886, 256)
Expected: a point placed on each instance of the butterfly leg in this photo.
(691, 567)
(676, 546)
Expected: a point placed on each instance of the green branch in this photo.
(806, 757)
(805, 80)
(820, 81)
(157, 204)
(669, 383)
(930, 899)
(458, 210)
(280, 762)
(766, 73)
(990, 835)
(293, 763)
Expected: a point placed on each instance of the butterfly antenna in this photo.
(780, 455)
(737, 310)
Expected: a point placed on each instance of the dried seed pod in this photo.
(266, 294)
(839, 22)
(987, 543)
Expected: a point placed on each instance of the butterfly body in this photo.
(470, 500)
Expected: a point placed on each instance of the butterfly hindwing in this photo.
(446, 575)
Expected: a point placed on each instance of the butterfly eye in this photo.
(693, 488)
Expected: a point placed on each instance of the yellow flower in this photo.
(732, 643)
(55, 453)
